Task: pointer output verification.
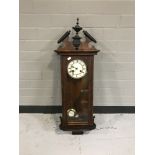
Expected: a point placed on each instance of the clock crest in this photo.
(77, 64)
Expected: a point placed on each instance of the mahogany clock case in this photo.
(77, 94)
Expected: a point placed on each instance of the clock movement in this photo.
(77, 66)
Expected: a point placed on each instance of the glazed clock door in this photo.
(77, 89)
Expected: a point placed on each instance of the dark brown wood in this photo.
(84, 49)
(77, 132)
(77, 93)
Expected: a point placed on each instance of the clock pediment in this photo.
(84, 48)
(70, 45)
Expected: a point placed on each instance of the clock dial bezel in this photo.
(71, 112)
(78, 64)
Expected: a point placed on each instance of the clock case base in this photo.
(77, 132)
(76, 129)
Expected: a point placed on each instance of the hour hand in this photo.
(73, 67)
(71, 71)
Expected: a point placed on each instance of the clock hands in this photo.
(77, 69)
(74, 67)
(72, 71)
(80, 71)
(76, 74)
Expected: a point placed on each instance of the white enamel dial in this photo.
(77, 69)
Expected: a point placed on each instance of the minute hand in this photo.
(74, 67)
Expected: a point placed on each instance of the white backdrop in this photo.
(111, 22)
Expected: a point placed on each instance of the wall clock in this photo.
(77, 67)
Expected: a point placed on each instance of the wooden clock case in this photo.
(77, 93)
